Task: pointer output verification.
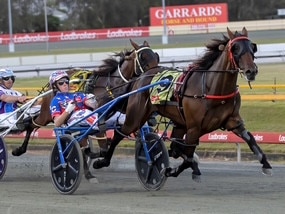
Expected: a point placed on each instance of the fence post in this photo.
(238, 153)
(38, 72)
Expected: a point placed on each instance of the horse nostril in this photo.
(248, 72)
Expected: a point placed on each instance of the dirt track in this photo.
(227, 187)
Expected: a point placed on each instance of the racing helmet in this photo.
(6, 73)
(57, 75)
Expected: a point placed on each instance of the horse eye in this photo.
(254, 47)
(235, 48)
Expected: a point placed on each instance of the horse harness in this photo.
(137, 63)
(181, 83)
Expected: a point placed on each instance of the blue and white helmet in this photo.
(6, 73)
(57, 75)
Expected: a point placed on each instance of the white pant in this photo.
(78, 115)
(117, 118)
(8, 119)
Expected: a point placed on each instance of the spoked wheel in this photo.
(3, 157)
(66, 177)
(149, 173)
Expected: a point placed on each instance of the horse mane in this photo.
(110, 64)
(213, 51)
(123, 55)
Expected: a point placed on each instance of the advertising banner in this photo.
(213, 137)
(61, 36)
(189, 14)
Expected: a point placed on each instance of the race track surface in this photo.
(226, 187)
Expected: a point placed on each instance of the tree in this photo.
(28, 15)
(4, 22)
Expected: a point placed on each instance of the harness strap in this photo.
(109, 91)
(33, 121)
(231, 42)
(121, 75)
(137, 61)
(214, 97)
(222, 97)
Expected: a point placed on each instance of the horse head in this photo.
(114, 77)
(144, 57)
(241, 52)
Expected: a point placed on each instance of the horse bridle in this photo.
(136, 64)
(232, 57)
(230, 45)
(137, 61)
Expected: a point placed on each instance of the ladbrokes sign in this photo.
(61, 36)
(189, 14)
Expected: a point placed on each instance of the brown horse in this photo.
(114, 78)
(207, 99)
(111, 79)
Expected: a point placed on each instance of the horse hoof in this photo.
(267, 171)
(91, 178)
(166, 172)
(18, 152)
(98, 164)
(196, 178)
(173, 154)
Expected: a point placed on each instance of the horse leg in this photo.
(29, 130)
(88, 175)
(103, 143)
(190, 159)
(177, 134)
(105, 162)
(188, 162)
(23, 148)
(249, 139)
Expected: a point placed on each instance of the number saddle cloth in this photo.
(160, 94)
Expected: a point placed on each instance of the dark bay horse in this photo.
(111, 79)
(207, 99)
(114, 78)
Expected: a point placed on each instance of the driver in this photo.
(9, 98)
(69, 108)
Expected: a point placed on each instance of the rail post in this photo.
(38, 71)
(238, 153)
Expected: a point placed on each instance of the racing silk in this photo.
(8, 107)
(60, 102)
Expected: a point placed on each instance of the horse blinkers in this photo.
(157, 56)
(146, 60)
(242, 52)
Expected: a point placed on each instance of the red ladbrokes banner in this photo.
(213, 137)
(62, 36)
(189, 14)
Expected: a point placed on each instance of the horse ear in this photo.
(135, 45)
(244, 32)
(145, 43)
(230, 33)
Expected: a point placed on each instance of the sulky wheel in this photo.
(3, 157)
(149, 174)
(66, 177)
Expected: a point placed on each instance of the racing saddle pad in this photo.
(160, 94)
